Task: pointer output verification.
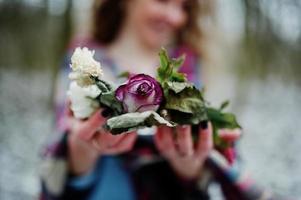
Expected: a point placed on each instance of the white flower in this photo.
(83, 102)
(81, 79)
(84, 66)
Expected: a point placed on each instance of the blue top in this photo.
(111, 179)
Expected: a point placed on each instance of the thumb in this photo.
(91, 125)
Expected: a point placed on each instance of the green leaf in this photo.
(178, 77)
(177, 86)
(124, 74)
(224, 105)
(109, 100)
(134, 121)
(221, 120)
(103, 86)
(178, 62)
(185, 103)
(164, 59)
(187, 118)
(185, 99)
(167, 71)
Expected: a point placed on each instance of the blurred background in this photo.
(254, 61)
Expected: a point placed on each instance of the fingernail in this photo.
(204, 124)
(105, 112)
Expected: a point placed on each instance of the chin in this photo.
(156, 38)
(157, 42)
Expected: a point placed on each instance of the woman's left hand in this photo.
(185, 158)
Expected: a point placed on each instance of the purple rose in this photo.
(140, 93)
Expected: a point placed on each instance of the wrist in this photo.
(82, 156)
(188, 173)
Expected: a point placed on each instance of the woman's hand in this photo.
(87, 141)
(186, 158)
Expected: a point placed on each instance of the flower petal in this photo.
(119, 93)
(140, 93)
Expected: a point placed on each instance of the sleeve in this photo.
(56, 181)
(235, 182)
(83, 181)
(196, 188)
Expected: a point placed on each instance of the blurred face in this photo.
(155, 22)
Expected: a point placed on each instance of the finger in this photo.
(96, 120)
(67, 109)
(124, 145)
(71, 123)
(205, 142)
(230, 135)
(68, 115)
(157, 138)
(164, 142)
(96, 145)
(184, 140)
(106, 140)
(88, 128)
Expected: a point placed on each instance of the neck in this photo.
(128, 51)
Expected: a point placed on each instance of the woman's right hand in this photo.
(88, 140)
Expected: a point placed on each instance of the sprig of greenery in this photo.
(181, 97)
(185, 100)
(168, 69)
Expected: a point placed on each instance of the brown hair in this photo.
(109, 15)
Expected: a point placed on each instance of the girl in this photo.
(89, 163)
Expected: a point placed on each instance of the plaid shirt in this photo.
(150, 174)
